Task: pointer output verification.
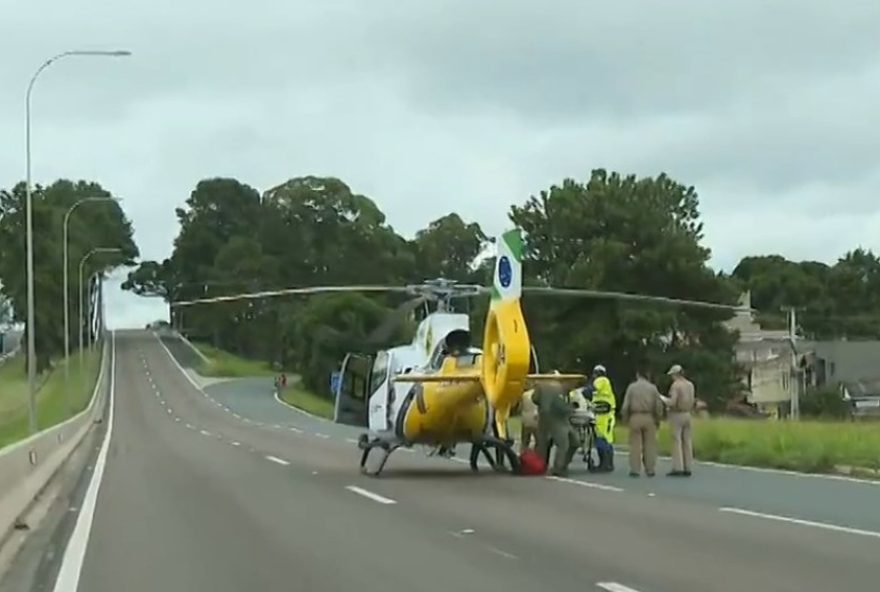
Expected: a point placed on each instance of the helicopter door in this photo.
(379, 390)
(351, 393)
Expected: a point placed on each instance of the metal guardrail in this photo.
(27, 466)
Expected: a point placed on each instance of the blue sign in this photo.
(505, 272)
(335, 382)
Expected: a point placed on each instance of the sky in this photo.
(770, 109)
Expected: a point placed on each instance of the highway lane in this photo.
(195, 498)
(830, 499)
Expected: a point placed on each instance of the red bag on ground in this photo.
(532, 463)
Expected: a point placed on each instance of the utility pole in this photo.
(793, 371)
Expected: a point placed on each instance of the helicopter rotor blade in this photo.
(600, 294)
(291, 292)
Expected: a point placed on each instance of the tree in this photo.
(448, 248)
(629, 235)
(101, 224)
(832, 302)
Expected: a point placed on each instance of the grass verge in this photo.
(806, 446)
(222, 364)
(308, 401)
(51, 398)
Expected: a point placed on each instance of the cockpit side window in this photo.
(380, 371)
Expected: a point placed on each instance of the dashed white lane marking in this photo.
(825, 525)
(177, 419)
(504, 554)
(162, 402)
(586, 484)
(295, 430)
(190, 426)
(168, 409)
(275, 459)
(319, 435)
(369, 494)
(461, 460)
(351, 440)
(234, 443)
(236, 416)
(246, 420)
(277, 426)
(205, 433)
(615, 587)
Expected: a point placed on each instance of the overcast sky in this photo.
(770, 108)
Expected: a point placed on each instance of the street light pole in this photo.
(66, 260)
(29, 232)
(82, 263)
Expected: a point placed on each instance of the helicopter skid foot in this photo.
(386, 450)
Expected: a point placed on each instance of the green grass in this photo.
(223, 364)
(807, 446)
(51, 399)
(307, 401)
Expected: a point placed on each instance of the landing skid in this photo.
(367, 444)
(498, 453)
(504, 458)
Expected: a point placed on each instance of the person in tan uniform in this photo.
(642, 410)
(528, 419)
(680, 404)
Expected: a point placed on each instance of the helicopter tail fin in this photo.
(507, 279)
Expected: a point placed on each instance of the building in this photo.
(769, 359)
(852, 366)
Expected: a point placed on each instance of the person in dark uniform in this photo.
(554, 413)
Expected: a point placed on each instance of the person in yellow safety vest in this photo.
(604, 405)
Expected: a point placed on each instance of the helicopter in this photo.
(440, 390)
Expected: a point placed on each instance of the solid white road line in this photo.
(825, 525)
(615, 587)
(369, 494)
(75, 552)
(275, 459)
(586, 484)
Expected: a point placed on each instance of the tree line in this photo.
(92, 224)
(609, 232)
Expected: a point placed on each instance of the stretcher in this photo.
(583, 420)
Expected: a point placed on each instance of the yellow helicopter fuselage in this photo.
(448, 409)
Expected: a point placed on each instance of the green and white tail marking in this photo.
(507, 281)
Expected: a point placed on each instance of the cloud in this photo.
(768, 109)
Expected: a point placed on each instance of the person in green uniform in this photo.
(554, 425)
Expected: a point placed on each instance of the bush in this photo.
(825, 403)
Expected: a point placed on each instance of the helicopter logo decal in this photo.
(505, 271)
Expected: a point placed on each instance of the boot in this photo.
(606, 461)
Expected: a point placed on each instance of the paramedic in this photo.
(554, 425)
(605, 405)
(681, 404)
(642, 409)
(528, 419)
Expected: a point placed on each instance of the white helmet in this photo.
(599, 369)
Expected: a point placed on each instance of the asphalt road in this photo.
(225, 490)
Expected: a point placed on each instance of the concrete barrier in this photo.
(27, 466)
